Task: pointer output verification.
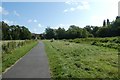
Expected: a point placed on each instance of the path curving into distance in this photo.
(32, 65)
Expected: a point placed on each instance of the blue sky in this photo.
(38, 15)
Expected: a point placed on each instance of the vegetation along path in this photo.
(81, 60)
(32, 65)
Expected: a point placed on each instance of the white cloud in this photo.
(96, 20)
(39, 25)
(3, 11)
(35, 20)
(57, 26)
(15, 13)
(9, 22)
(37, 28)
(76, 6)
(68, 2)
(72, 2)
(61, 25)
(34, 30)
(65, 26)
(29, 20)
(65, 11)
(85, 6)
(72, 9)
(110, 12)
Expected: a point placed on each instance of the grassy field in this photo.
(81, 60)
(110, 42)
(9, 58)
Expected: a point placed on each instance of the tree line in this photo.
(14, 32)
(109, 29)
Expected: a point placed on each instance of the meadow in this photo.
(13, 50)
(80, 58)
(110, 42)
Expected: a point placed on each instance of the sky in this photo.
(37, 16)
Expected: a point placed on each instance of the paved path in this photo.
(32, 65)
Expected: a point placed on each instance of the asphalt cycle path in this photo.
(33, 65)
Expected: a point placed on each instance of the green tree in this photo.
(5, 31)
(60, 33)
(14, 32)
(104, 23)
(108, 22)
(94, 30)
(49, 33)
(103, 32)
(89, 28)
(25, 33)
(74, 32)
(85, 34)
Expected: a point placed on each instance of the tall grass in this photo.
(104, 42)
(73, 60)
(8, 46)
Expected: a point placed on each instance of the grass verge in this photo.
(11, 58)
(72, 60)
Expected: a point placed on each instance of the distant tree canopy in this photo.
(109, 29)
(104, 23)
(14, 32)
(72, 33)
(50, 33)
